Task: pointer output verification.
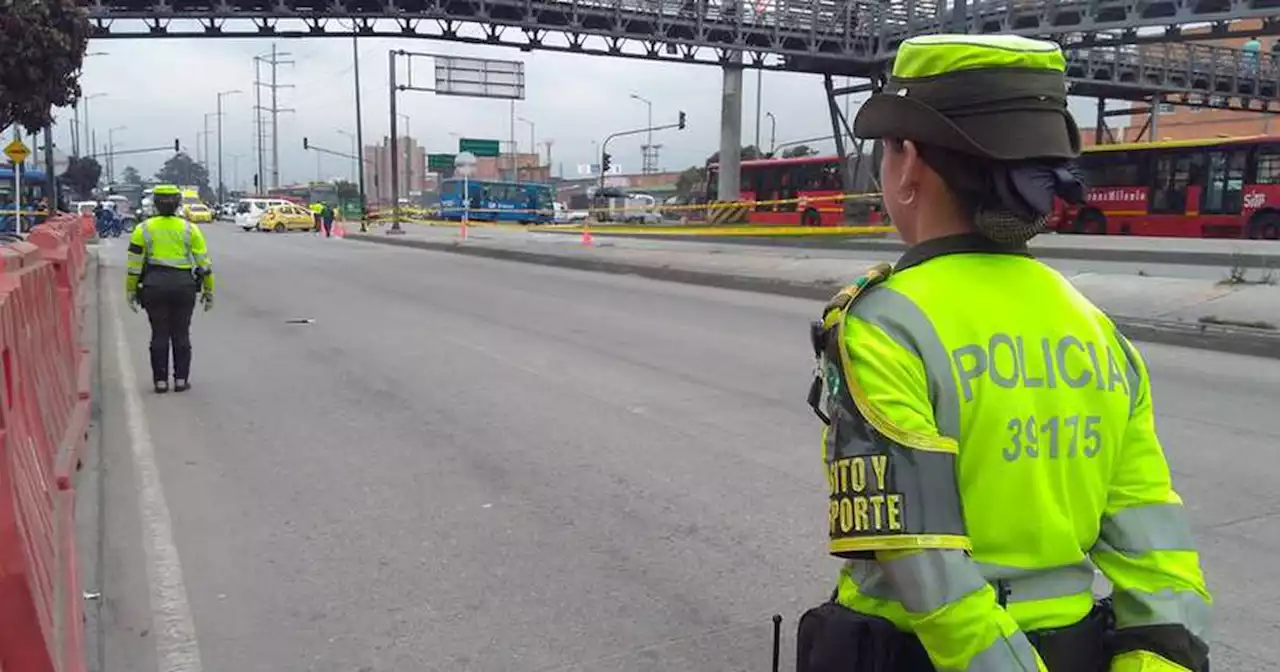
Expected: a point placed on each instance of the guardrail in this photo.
(44, 420)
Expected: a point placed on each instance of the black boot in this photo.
(162, 386)
(181, 384)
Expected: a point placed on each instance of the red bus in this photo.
(782, 179)
(1212, 188)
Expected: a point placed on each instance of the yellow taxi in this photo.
(197, 213)
(281, 218)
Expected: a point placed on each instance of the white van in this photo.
(249, 211)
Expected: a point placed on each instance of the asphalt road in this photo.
(466, 464)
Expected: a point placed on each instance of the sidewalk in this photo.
(1242, 318)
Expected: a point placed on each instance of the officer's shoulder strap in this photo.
(844, 299)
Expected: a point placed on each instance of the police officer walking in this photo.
(168, 267)
(989, 437)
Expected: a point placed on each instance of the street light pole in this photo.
(111, 153)
(221, 190)
(351, 135)
(648, 147)
(355, 59)
(773, 131)
(759, 89)
(532, 145)
(76, 127)
(207, 132)
(408, 150)
(88, 128)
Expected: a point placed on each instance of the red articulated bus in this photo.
(1211, 188)
(808, 177)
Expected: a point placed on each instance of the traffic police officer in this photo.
(990, 437)
(168, 266)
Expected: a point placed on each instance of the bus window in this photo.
(1172, 175)
(1224, 188)
(766, 183)
(1106, 169)
(1267, 165)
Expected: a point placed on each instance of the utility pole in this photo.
(259, 177)
(275, 62)
(355, 59)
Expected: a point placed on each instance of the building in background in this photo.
(1182, 122)
(411, 164)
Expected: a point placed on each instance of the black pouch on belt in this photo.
(834, 638)
(1078, 647)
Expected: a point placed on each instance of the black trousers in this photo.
(169, 309)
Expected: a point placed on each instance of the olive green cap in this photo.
(166, 190)
(999, 97)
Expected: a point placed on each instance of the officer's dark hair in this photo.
(166, 204)
(1007, 201)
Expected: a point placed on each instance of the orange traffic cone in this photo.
(462, 232)
(587, 240)
(339, 230)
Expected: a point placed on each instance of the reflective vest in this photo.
(989, 442)
(169, 242)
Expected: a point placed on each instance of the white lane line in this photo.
(173, 629)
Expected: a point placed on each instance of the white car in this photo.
(249, 211)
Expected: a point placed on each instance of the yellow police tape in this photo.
(416, 212)
(703, 231)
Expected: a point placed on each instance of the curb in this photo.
(869, 244)
(1239, 340)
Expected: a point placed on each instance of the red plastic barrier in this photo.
(44, 419)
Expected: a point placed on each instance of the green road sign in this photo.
(438, 163)
(480, 147)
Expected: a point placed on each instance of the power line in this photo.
(274, 85)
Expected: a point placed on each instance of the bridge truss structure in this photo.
(1147, 51)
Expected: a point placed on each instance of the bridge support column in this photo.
(729, 185)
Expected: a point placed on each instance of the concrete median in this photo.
(1232, 316)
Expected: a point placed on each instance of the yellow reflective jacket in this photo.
(170, 242)
(991, 441)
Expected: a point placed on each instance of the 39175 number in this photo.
(1053, 437)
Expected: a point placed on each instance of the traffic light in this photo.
(305, 143)
(176, 146)
(605, 162)
(681, 122)
(255, 181)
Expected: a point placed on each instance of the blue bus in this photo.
(35, 187)
(492, 201)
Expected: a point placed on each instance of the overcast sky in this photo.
(162, 88)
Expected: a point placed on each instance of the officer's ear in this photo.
(909, 167)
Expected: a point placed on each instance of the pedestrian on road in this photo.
(989, 436)
(326, 217)
(168, 267)
(317, 213)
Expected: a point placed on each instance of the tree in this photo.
(798, 151)
(749, 153)
(346, 189)
(82, 175)
(42, 45)
(181, 170)
(689, 181)
(131, 176)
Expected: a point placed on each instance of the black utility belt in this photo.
(834, 638)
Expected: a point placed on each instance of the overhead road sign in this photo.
(480, 147)
(479, 78)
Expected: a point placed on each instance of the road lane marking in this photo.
(174, 630)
